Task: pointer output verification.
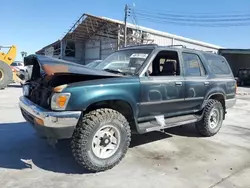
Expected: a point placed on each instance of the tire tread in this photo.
(84, 129)
(203, 125)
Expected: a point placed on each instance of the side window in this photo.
(166, 63)
(218, 64)
(193, 65)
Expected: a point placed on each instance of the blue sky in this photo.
(32, 24)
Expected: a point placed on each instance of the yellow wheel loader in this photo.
(6, 74)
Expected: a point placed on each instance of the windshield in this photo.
(125, 60)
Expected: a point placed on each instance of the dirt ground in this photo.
(177, 158)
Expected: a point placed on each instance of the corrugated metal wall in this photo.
(160, 40)
(107, 47)
(100, 47)
(92, 51)
(193, 46)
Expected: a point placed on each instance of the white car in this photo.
(19, 65)
(23, 69)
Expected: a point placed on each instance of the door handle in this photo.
(206, 83)
(178, 83)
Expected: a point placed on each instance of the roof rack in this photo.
(153, 45)
(180, 45)
(213, 52)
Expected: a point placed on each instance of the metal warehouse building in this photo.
(92, 38)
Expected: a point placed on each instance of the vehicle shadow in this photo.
(137, 139)
(22, 148)
(185, 131)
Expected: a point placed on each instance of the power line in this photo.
(194, 20)
(229, 20)
(148, 19)
(196, 14)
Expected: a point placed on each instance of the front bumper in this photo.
(51, 124)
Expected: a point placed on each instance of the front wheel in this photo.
(212, 119)
(101, 139)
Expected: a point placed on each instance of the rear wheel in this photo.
(101, 139)
(212, 118)
(6, 75)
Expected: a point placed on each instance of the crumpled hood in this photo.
(54, 66)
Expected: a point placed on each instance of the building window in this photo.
(70, 49)
(57, 48)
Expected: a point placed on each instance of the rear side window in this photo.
(193, 65)
(218, 64)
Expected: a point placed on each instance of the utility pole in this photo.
(125, 25)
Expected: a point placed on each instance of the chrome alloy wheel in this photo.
(106, 141)
(214, 118)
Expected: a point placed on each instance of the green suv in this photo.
(161, 87)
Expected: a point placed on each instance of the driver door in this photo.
(162, 93)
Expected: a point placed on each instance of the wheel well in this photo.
(220, 98)
(119, 105)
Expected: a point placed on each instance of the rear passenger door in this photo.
(196, 81)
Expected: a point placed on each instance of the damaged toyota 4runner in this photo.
(157, 88)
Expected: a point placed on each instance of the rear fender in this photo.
(211, 93)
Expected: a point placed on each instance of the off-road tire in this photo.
(83, 135)
(7, 75)
(203, 125)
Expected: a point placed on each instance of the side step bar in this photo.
(160, 123)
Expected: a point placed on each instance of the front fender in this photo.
(83, 96)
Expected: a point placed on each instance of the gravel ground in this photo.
(177, 158)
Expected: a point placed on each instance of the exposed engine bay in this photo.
(48, 73)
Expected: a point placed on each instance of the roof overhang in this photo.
(88, 26)
(235, 51)
(41, 51)
(92, 27)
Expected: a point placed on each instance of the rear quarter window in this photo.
(218, 64)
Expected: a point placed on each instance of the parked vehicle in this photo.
(24, 72)
(243, 76)
(114, 65)
(161, 87)
(93, 64)
(18, 64)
